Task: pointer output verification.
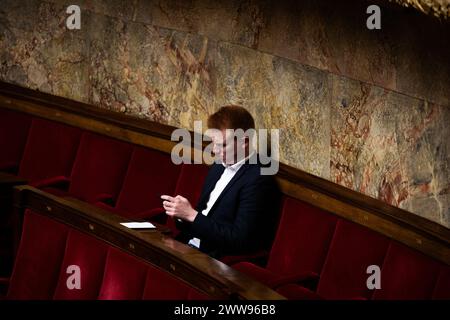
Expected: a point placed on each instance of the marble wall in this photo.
(369, 110)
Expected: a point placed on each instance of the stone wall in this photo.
(366, 109)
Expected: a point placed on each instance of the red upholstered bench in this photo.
(49, 153)
(405, 273)
(150, 174)
(99, 169)
(48, 248)
(353, 248)
(312, 244)
(39, 258)
(300, 246)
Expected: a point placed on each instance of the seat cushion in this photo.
(89, 255)
(50, 150)
(99, 168)
(39, 258)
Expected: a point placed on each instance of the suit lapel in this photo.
(211, 183)
(229, 185)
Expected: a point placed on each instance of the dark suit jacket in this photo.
(243, 218)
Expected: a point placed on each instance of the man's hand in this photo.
(179, 207)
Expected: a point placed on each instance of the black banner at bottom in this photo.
(224, 309)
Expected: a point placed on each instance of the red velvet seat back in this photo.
(197, 295)
(160, 285)
(442, 289)
(50, 150)
(14, 128)
(407, 274)
(99, 168)
(89, 254)
(39, 258)
(189, 185)
(48, 248)
(353, 248)
(302, 239)
(150, 174)
(124, 277)
(190, 181)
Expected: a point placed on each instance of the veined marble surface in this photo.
(367, 110)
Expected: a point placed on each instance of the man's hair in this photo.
(231, 117)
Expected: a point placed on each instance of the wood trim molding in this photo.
(410, 229)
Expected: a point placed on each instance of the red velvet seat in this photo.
(407, 274)
(39, 258)
(194, 294)
(14, 128)
(344, 275)
(150, 174)
(89, 254)
(300, 246)
(297, 292)
(49, 152)
(189, 185)
(99, 168)
(190, 181)
(48, 248)
(352, 250)
(124, 277)
(160, 285)
(442, 289)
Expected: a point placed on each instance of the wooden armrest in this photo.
(7, 179)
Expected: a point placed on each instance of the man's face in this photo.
(226, 146)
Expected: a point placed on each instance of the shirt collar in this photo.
(237, 165)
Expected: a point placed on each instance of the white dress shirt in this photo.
(225, 178)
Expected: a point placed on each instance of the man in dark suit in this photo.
(238, 206)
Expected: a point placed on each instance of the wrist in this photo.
(193, 215)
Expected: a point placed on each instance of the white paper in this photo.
(138, 225)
